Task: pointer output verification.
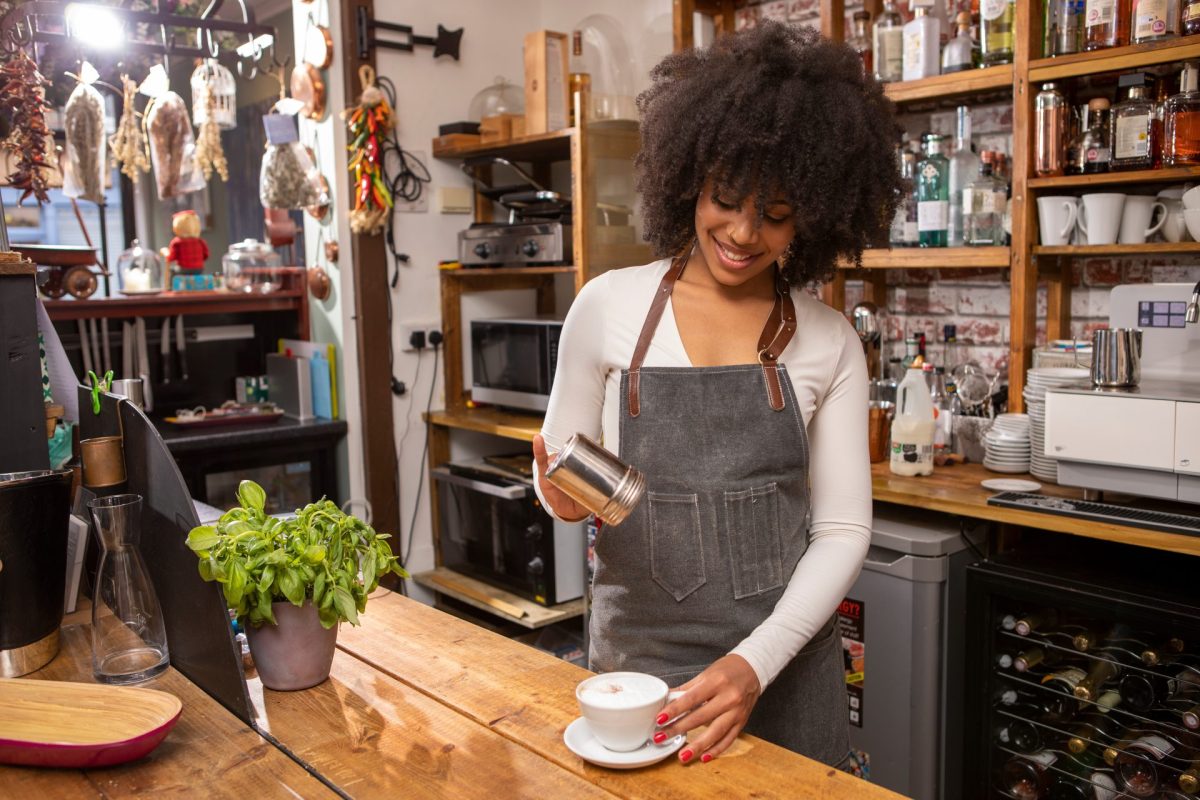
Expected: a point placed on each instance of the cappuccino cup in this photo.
(621, 707)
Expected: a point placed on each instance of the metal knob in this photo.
(483, 250)
(530, 248)
(534, 531)
(535, 567)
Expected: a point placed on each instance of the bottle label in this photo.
(1191, 12)
(1151, 19)
(1133, 136)
(1100, 12)
(912, 233)
(1045, 758)
(994, 9)
(1103, 786)
(1071, 676)
(889, 55)
(1098, 155)
(933, 215)
(999, 202)
(1156, 746)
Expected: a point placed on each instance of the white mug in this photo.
(1056, 218)
(1100, 217)
(1174, 229)
(1136, 216)
(621, 707)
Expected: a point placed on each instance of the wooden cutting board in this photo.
(61, 724)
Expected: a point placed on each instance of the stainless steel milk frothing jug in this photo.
(1116, 357)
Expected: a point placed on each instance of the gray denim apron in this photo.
(705, 557)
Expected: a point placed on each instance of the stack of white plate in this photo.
(1038, 381)
(1006, 445)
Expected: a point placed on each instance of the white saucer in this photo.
(580, 741)
(1010, 485)
(1010, 468)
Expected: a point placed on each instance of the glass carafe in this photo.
(129, 640)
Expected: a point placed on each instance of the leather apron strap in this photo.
(776, 334)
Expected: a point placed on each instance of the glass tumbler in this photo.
(129, 639)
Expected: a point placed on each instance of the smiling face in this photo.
(737, 245)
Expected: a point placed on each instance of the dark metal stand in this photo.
(446, 43)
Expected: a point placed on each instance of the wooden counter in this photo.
(956, 490)
(419, 704)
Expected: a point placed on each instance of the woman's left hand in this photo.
(721, 697)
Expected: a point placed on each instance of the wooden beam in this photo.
(684, 34)
(1023, 312)
(833, 20)
(369, 266)
(833, 292)
(1058, 303)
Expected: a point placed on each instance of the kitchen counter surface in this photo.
(418, 704)
(956, 490)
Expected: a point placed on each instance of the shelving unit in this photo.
(954, 86)
(496, 601)
(1106, 250)
(494, 421)
(1113, 59)
(1144, 176)
(935, 258)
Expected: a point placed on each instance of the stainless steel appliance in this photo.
(1145, 439)
(492, 527)
(515, 244)
(513, 361)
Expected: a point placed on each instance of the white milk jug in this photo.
(913, 428)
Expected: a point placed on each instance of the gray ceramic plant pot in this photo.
(297, 652)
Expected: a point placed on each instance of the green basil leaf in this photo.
(251, 495)
(206, 569)
(345, 605)
(368, 569)
(314, 553)
(328, 617)
(268, 575)
(204, 537)
(292, 586)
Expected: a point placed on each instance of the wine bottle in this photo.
(1103, 670)
(1027, 777)
(1092, 732)
(1062, 683)
(1142, 763)
(1167, 648)
(1037, 621)
(1030, 657)
(1078, 778)
(1189, 779)
(1021, 731)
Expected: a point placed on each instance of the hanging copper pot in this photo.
(332, 251)
(318, 47)
(319, 284)
(309, 88)
(320, 211)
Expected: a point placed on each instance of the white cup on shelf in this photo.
(1137, 216)
(1056, 218)
(1100, 217)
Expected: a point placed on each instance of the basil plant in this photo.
(323, 555)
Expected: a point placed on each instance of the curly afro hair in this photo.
(771, 112)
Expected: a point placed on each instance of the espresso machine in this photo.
(1135, 428)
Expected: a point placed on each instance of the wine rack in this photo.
(1087, 690)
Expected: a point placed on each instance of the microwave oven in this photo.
(492, 526)
(513, 361)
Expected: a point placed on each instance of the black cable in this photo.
(400, 449)
(424, 457)
(404, 175)
(962, 532)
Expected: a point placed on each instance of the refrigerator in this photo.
(1084, 665)
(902, 626)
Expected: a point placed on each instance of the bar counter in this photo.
(419, 704)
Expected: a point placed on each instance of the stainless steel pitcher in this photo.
(596, 479)
(1116, 357)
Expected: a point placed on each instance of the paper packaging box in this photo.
(290, 380)
(546, 89)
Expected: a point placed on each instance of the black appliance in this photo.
(493, 527)
(513, 361)
(1083, 664)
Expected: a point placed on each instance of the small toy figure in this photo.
(187, 252)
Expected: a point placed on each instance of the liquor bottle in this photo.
(1096, 144)
(904, 225)
(1093, 731)
(964, 166)
(1191, 17)
(1106, 24)
(1050, 131)
(1102, 672)
(933, 193)
(1078, 119)
(860, 42)
(911, 353)
(579, 81)
(1181, 121)
(996, 35)
(921, 44)
(1154, 20)
(943, 430)
(1028, 777)
(959, 53)
(1137, 132)
(1037, 621)
(983, 206)
(887, 40)
(1063, 27)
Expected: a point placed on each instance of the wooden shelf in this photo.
(1114, 59)
(955, 85)
(1101, 251)
(497, 601)
(169, 304)
(467, 273)
(552, 146)
(1166, 175)
(935, 258)
(489, 420)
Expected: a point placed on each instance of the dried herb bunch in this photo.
(129, 143)
(209, 153)
(83, 120)
(170, 131)
(23, 96)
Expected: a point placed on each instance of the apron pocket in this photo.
(756, 550)
(676, 549)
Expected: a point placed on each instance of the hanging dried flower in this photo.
(129, 142)
(209, 153)
(23, 94)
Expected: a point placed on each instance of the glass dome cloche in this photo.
(252, 266)
(501, 97)
(140, 270)
(607, 60)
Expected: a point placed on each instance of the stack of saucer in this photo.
(1038, 381)
(1006, 445)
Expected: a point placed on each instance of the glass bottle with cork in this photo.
(1095, 150)
(1106, 23)
(1137, 131)
(933, 193)
(860, 42)
(887, 44)
(1154, 20)
(960, 53)
(1181, 120)
(983, 206)
(1191, 17)
(997, 19)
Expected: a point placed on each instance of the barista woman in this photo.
(765, 159)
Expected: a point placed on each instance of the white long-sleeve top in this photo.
(825, 363)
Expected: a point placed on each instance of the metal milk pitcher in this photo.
(1116, 357)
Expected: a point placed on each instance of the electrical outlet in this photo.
(407, 329)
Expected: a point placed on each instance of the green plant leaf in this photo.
(235, 587)
(368, 569)
(205, 569)
(314, 553)
(251, 495)
(204, 537)
(292, 586)
(345, 605)
(319, 587)
(264, 607)
(264, 580)
(328, 617)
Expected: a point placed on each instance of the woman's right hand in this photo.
(561, 503)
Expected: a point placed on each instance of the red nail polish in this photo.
(660, 737)
(661, 718)
(707, 757)
(685, 756)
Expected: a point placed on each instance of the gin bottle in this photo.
(887, 44)
(964, 165)
(983, 207)
(933, 193)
